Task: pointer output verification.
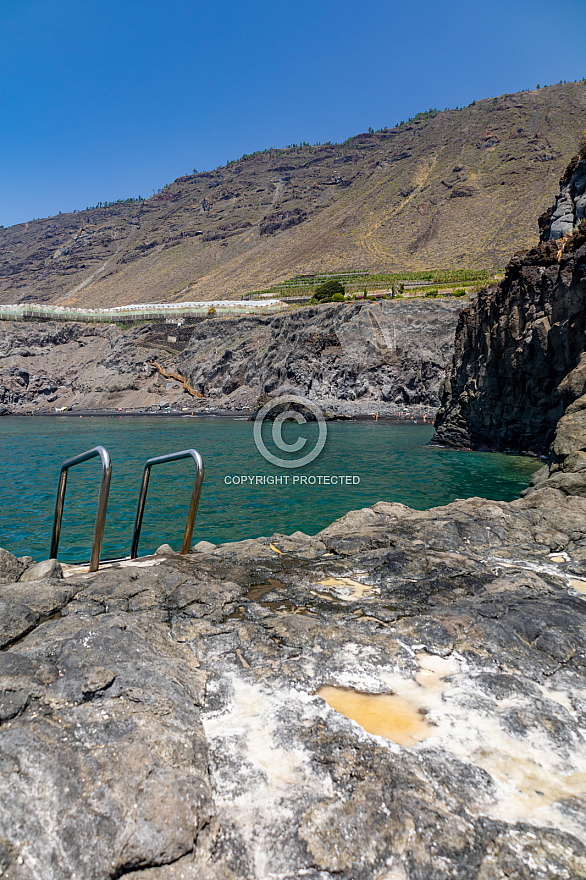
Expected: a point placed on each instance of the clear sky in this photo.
(104, 99)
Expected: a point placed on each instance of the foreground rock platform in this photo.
(162, 720)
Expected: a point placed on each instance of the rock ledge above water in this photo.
(162, 721)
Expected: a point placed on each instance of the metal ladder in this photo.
(100, 522)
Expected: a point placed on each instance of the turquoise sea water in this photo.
(391, 461)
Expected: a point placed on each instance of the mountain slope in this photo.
(457, 188)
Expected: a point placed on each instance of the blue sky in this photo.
(102, 100)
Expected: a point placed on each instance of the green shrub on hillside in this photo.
(326, 291)
(460, 292)
(338, 298)
(431, 293)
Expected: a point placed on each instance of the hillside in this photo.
(459, 188)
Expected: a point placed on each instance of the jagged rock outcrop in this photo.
(518, 349)
(570, 205)
(401, 697)
(350, 358)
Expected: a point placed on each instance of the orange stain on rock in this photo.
(386, 715)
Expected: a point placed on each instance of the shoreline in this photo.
(222, 414)
(361, 418)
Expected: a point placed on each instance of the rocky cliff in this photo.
(44, 366)
(453, 188)
(570, 205)
(518, 362)
(354, 358)
(388, 355)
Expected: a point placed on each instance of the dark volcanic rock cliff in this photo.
(570, 204)
(353, 358)
(509, 381)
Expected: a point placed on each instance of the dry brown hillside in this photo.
(459, 188)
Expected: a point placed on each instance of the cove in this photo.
(391, 461)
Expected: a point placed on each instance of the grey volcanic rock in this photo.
(387, 356)
(11, 568)
(566, 468)
(518, 359)
(178, 721)
(384, 356)
(49, 366)
(570, 204)
(164, 550)
(49, 568)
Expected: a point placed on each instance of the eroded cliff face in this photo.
(570, 205)
(387, 356)
(48, 366)
(353, 359)
(517, 348)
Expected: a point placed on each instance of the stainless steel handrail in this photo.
(103, 453)
(161, 459)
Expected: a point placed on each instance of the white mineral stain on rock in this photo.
(433, 670)
(530, 772)
(578, 584)
(574, 582)
(252, 719)
(561, 697)
(530, 777)
(345, 588)
(439, 704)
(396, 872)
(262, 771)
(559, 557)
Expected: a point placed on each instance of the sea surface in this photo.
(386, 461)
